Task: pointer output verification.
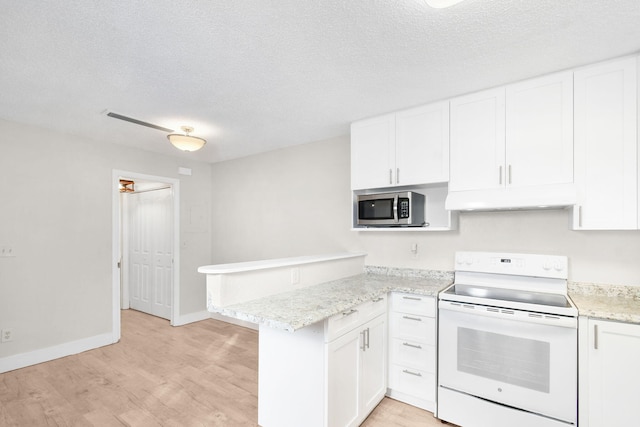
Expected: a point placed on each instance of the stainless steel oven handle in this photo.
(395, 208)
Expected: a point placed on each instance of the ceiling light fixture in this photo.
(440, 4)
(186, 142)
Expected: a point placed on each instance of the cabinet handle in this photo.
(417, 374)
(367, 335)
(419, 347)
(364, 342)
(350, 312)
(580, 216)
(390, 177)
(417, 319)
(397, 175)
(509, 174)
(500, 175)
(413, 298)
(595, 337)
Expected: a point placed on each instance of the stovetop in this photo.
(527, 282)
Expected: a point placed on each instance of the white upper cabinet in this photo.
(373, 152)
(406, 148)
(540, 131)
(514, 136)
(422, 145)
(478, 141)
(606, 146)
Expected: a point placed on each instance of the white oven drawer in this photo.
(414, 304)
(341, 323)
(414, 382)
(413, 354)
(413, 327)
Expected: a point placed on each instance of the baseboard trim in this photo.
(47, 354)
(237, 322)
(191, 318)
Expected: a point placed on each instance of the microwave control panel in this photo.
(403, 208)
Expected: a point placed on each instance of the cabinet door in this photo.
(374, 366)
(422, 145)
(539, 135)
(614, 377)
(478, 141)
(605, 146)
(343, 376)
(373, 152)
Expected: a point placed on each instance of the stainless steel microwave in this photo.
(404, 208)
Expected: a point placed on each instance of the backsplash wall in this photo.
(303, 207)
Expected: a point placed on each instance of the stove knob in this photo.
(546, 265)
(558, 266)
(468, 260)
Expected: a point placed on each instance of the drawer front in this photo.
(413, 327)
(413, 354)
(341, 323)
(414, 382)
(413, 304)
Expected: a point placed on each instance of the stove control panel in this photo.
(552, 266)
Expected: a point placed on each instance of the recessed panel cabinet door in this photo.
(478, 141)
(373, 152)
(614, 377)
(606, 146)
(374, 373)
(539, 136)
(422, 144)
(343, 360)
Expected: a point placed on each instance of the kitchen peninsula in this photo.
(323, 348)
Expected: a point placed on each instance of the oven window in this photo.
(513, 360)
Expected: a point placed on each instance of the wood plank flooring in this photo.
(201, 374)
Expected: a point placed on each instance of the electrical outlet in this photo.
(7, 335)
(6, 252)
(295, 275)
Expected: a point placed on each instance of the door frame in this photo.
(116, 221)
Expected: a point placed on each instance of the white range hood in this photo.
(538, 197)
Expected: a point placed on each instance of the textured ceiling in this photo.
(257, 75)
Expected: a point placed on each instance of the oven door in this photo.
(516, 358)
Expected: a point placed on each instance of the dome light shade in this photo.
(186, 142)
(440, 4)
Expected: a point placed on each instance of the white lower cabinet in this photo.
(412, 350)
(609, 377)
(329, 374)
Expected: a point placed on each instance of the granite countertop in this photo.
(607, 302)
(294, 310)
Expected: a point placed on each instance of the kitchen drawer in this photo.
(413, 327)
(414, 382)
(341, 323)
(413, 304)
(413, 354)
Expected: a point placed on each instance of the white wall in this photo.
(55, 212)
(283, 203)
(296, 201)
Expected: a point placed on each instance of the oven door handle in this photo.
(510, 314)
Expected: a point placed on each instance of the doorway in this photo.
(145, 245)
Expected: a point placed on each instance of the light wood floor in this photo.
(202, 374)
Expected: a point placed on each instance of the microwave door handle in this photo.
(395, 208)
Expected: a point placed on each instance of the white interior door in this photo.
(150, 251)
